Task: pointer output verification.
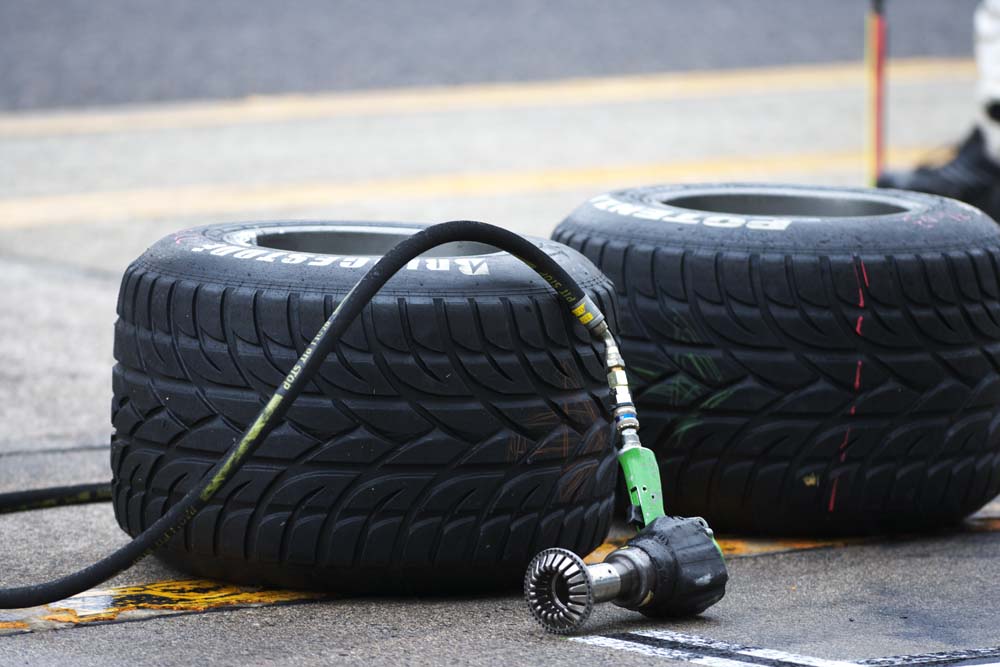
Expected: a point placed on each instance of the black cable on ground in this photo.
(56, 496)
(304, 369)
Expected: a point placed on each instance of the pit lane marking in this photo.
(704, 651)
(714, 653)
(166, 598)
(260, 109)
(144, 601)
(241, 199)
(970, 656)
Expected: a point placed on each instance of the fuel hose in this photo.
(55, 496)
(160, 532)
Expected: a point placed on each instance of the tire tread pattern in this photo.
(443, 443)
(811, 392)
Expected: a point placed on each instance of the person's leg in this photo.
(973, 175)
(987, 25)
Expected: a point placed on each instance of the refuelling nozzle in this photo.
(673, 567)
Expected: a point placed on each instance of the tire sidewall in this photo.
(926, 222)
(225, 254)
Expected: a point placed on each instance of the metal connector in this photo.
(562, 590)
(623, 408)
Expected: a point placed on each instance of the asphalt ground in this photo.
(83, 191)
(76, 53)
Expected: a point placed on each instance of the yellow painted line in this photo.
(736, 547)
(600, 553)
(166, 598)
(130, 603)
(986, 524)
(986, 520)
(733, 547)
(220, 200)
(560, 93)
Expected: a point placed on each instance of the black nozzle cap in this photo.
(691, 573)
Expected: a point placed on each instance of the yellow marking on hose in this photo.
(221, 200)
(128, 603)
(558, 93)
(586, 317)
(223, 475)
(579, 310)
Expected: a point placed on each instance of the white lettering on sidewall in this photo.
(470, 266)
(612, 205)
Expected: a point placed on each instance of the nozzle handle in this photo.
(690, 570)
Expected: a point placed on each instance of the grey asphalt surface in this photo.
(58, 280)
(77, 53)
(898, 598)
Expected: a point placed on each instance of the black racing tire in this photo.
(460, 426)
(807, 360)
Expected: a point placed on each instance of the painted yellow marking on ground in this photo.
(985, 524)
(166, 598)
(985, 520)
(600, 553)
(733, 547)
(218, 200)
(130, 603)
(560, 93)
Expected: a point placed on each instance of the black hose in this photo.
(180, 513)
(56, 496)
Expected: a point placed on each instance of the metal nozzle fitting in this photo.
(562, 590)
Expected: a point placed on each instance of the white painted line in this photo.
(657, 652)
(696, 643)
(794, 658)
(714, 653)
(942, 658)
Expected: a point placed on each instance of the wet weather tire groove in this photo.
(836, 374)
(436, 449)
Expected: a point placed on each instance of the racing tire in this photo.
(460, 426)
(807, 360)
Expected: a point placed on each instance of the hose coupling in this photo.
(624, 409)
(612, 355)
